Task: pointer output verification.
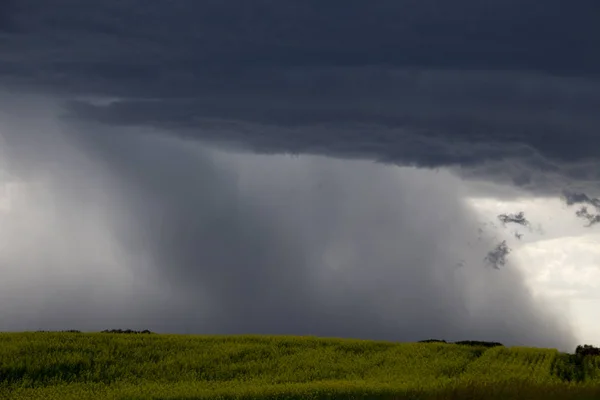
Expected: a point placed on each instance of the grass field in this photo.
(68, 366)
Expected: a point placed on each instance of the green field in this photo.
(119, 366)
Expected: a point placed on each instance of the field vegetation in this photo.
(140, 365)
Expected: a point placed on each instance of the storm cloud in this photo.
(501, 89)
(227, 167)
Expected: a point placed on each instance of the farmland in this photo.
(35, 365)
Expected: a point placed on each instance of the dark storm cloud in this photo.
(536, 131)
(7, 10)
(309, 64)
(512, 35)
(222, 243)
(504, 85)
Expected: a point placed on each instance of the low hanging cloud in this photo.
(518, 218)
(518, 235)
(497, 257)
(573, 198)
(585, 214)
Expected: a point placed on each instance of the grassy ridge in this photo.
(110, 366)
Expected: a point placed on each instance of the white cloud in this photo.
(562, 263)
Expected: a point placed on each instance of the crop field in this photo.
(69, 366)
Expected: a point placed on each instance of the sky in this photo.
(302, 167)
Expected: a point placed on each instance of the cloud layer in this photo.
(504, 89)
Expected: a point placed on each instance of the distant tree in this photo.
(126, 331)
(587, 350)
(478, 343)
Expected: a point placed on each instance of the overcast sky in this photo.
(301, 167)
